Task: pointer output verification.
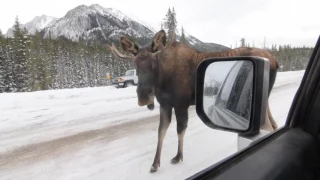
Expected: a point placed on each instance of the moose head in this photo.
(145, 60)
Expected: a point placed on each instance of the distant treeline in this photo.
(31, 63)
(291, 58)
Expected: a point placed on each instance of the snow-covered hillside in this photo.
(96, 22)
(101, 133)
(36, 24)
(203, 46)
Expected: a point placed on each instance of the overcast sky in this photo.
(224, 22)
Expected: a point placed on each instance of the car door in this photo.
(292, 152)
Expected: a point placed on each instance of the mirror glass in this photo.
(227, 93)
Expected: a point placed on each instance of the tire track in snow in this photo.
(49, 149)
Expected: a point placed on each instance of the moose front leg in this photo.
(269, 123)
(165, 120)
(182, 124)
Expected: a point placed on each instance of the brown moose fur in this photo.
(167, 71)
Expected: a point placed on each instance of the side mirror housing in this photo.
(232, 92)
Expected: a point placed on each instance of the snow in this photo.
(78, 21)
(37, 23)
(110, 21)
(52, 108)
(147, 25)
(102, 133)
(192, 40)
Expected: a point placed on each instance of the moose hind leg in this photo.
(182, 124)
(165, 120)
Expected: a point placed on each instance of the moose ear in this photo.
(159, 41)
(129, 46)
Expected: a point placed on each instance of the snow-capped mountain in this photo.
(37, 23)
(103, 25)
(95, 22)
(202, 46)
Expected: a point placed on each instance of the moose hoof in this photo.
(154, 169)
(176, 160)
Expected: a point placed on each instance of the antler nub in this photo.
(172, 38)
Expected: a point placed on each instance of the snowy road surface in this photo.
(101, 133)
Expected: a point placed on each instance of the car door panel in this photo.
(273, 160)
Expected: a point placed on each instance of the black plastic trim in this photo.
(259, 98)
(302, 112)
(290, 154)
(238, 156)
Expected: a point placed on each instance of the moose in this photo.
(166, 70)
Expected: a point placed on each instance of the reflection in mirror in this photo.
(227, 93)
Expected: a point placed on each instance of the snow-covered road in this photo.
(101, 133)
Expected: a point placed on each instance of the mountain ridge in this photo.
(104, 25)
(36, 24)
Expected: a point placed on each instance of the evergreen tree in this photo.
(243, 42)
(2, 68)
(8, 64)
(52, 64)
(37, 63)
(167, 18)
(183, 38)
(20, 60)
(174, 23)
(170, 21)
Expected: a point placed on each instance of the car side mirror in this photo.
(231, 93)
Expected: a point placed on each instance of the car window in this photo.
(129, 73)
(237, 99)
(226, 92)
(245, 97)
(66, 113)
